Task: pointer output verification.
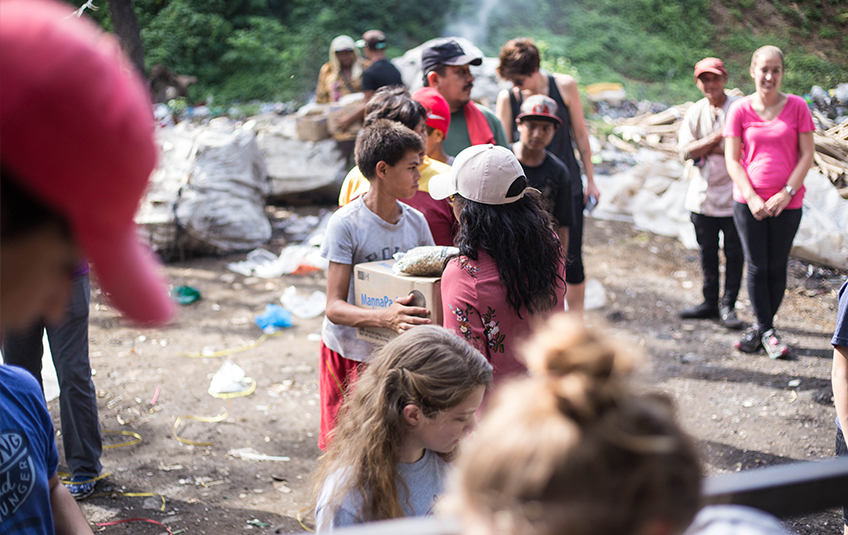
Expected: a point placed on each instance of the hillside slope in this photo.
(658, 41)
(272, 49)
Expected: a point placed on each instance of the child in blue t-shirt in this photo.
(840, 380)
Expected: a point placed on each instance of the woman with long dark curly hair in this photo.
(510, 268)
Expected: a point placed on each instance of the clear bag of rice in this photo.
(425, 261)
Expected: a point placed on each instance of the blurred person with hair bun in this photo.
(576, 450)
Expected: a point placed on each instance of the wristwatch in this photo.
(789, 190)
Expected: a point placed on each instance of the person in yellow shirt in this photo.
(438, 122)
(395, 103)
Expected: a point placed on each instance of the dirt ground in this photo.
(746, 411)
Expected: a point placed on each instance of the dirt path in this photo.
(746, 411)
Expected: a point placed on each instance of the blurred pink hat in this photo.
(77, 134)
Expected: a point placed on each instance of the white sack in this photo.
(208, 193)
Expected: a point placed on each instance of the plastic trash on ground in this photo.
(304, 308)
(273, 319)
(595, 297)
(229, 379)
(293, 260)
(256, 259)
(185, 295)
(250, 454)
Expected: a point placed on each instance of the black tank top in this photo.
(561, 145)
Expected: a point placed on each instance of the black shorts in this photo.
(574, 273)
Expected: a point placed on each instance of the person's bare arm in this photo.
(699, 148)
(67, 517)
(503, 109)
(358, 115)
(732, 155)
(780, 200)
(840, 386)
(562, 232)
(571, 95)
(397, 317)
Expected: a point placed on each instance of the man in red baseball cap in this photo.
(709, 198)
(76, 152)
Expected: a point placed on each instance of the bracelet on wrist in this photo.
(789, 189)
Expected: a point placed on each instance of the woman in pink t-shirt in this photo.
(510, 269)
(768, 151)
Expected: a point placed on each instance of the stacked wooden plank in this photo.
(657, 131)
(831, 156)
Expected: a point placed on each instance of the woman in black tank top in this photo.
(519, 64)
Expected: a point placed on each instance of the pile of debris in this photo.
(831, 156)
(658, 132)
(830, 108)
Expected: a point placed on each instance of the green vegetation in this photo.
(272, 49)
(268, 49)
(651, 45)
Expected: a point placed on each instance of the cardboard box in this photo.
(336, 112)
(312, 128)
(377, 287)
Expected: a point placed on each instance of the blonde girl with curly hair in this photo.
(399, 428)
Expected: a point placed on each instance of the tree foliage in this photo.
(654, 44)
(269, 49)
(272, 49)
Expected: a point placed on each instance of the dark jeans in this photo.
(707, 230)
(767, 244)
(77, 398)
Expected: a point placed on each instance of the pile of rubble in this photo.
(831, 156)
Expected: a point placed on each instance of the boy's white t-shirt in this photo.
(425, 480)
(355, 235)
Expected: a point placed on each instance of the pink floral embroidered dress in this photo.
(475, 306)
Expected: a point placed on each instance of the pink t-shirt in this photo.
(475, 306)
(769, 148)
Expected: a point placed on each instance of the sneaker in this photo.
(774, 347)
(699, 312)
(81, 487)
(750, 342)
(729, 318)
